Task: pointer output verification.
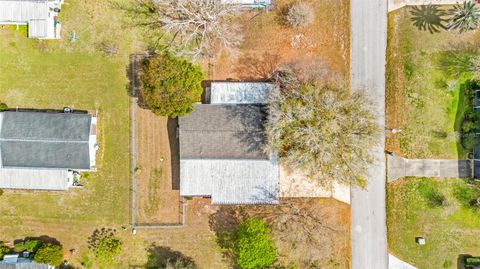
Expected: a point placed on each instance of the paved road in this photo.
(399, 167)
(368, 30)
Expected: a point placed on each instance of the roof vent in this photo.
(67, 110)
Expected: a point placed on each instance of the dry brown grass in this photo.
(158, 198)
(268, 42)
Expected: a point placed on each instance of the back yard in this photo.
(425, 96)
(421, 207)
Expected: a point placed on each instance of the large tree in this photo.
(465, 16)
(195, 28)
(171, 85)
(322, 131)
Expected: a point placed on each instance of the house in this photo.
(45, 150)
(12, 261)
(40, 16)
(222, 145)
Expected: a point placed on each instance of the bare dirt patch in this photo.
(308, 232)
(158, 198)
(269, 42)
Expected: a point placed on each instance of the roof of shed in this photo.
(223, 132)
(226, 92)
(45, 140)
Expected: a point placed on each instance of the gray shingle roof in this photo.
(45, 140)
(223, 132)
(222, 155)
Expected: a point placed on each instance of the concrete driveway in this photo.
(368, 30)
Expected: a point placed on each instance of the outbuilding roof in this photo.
(226, 92)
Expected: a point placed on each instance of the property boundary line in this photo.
(133, 159)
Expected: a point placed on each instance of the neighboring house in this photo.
(15, 262)
(45, 150)
(222, 147)
(40, 16)
(249, 3)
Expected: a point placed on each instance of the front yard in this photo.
(449, 228)
(425, 98)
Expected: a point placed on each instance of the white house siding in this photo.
(33, 179)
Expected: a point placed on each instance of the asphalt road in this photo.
(368, 31)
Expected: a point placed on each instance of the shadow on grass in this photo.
(225, 223)
(429, 18)
(160, 257)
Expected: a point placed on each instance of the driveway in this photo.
(368, 30)
(399, 167)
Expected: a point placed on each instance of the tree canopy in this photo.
(322, 131)
(171, 85)
(253, 247)
(49, 253)
(195, 28)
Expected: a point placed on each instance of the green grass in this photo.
(450, 230)
(34, 79)
(51, 74)
(432, 106)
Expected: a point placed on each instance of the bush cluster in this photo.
(468, 195)
(300, 15)
(253, 247)
(431, 194)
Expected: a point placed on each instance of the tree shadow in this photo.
(172, 128)
(257, 68)
(224, 223)
(429, 18)
(159, 256)
(252, 119)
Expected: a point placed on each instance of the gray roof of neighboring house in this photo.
(223, 132)
(45, 140)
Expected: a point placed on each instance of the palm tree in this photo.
(465, 17)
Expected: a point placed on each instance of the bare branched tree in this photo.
(195, 28)
(322, 131)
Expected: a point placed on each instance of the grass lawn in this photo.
(450, 230)
(56, 73)
(423, 100)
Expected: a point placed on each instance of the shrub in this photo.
(300, 15)
(4, 250)
(253, 247)
(49, 253)
(3, 107)
(431, 194)
(467, 196)
(179, 264)
(171, 85)
(108, 249)
(30, 245)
